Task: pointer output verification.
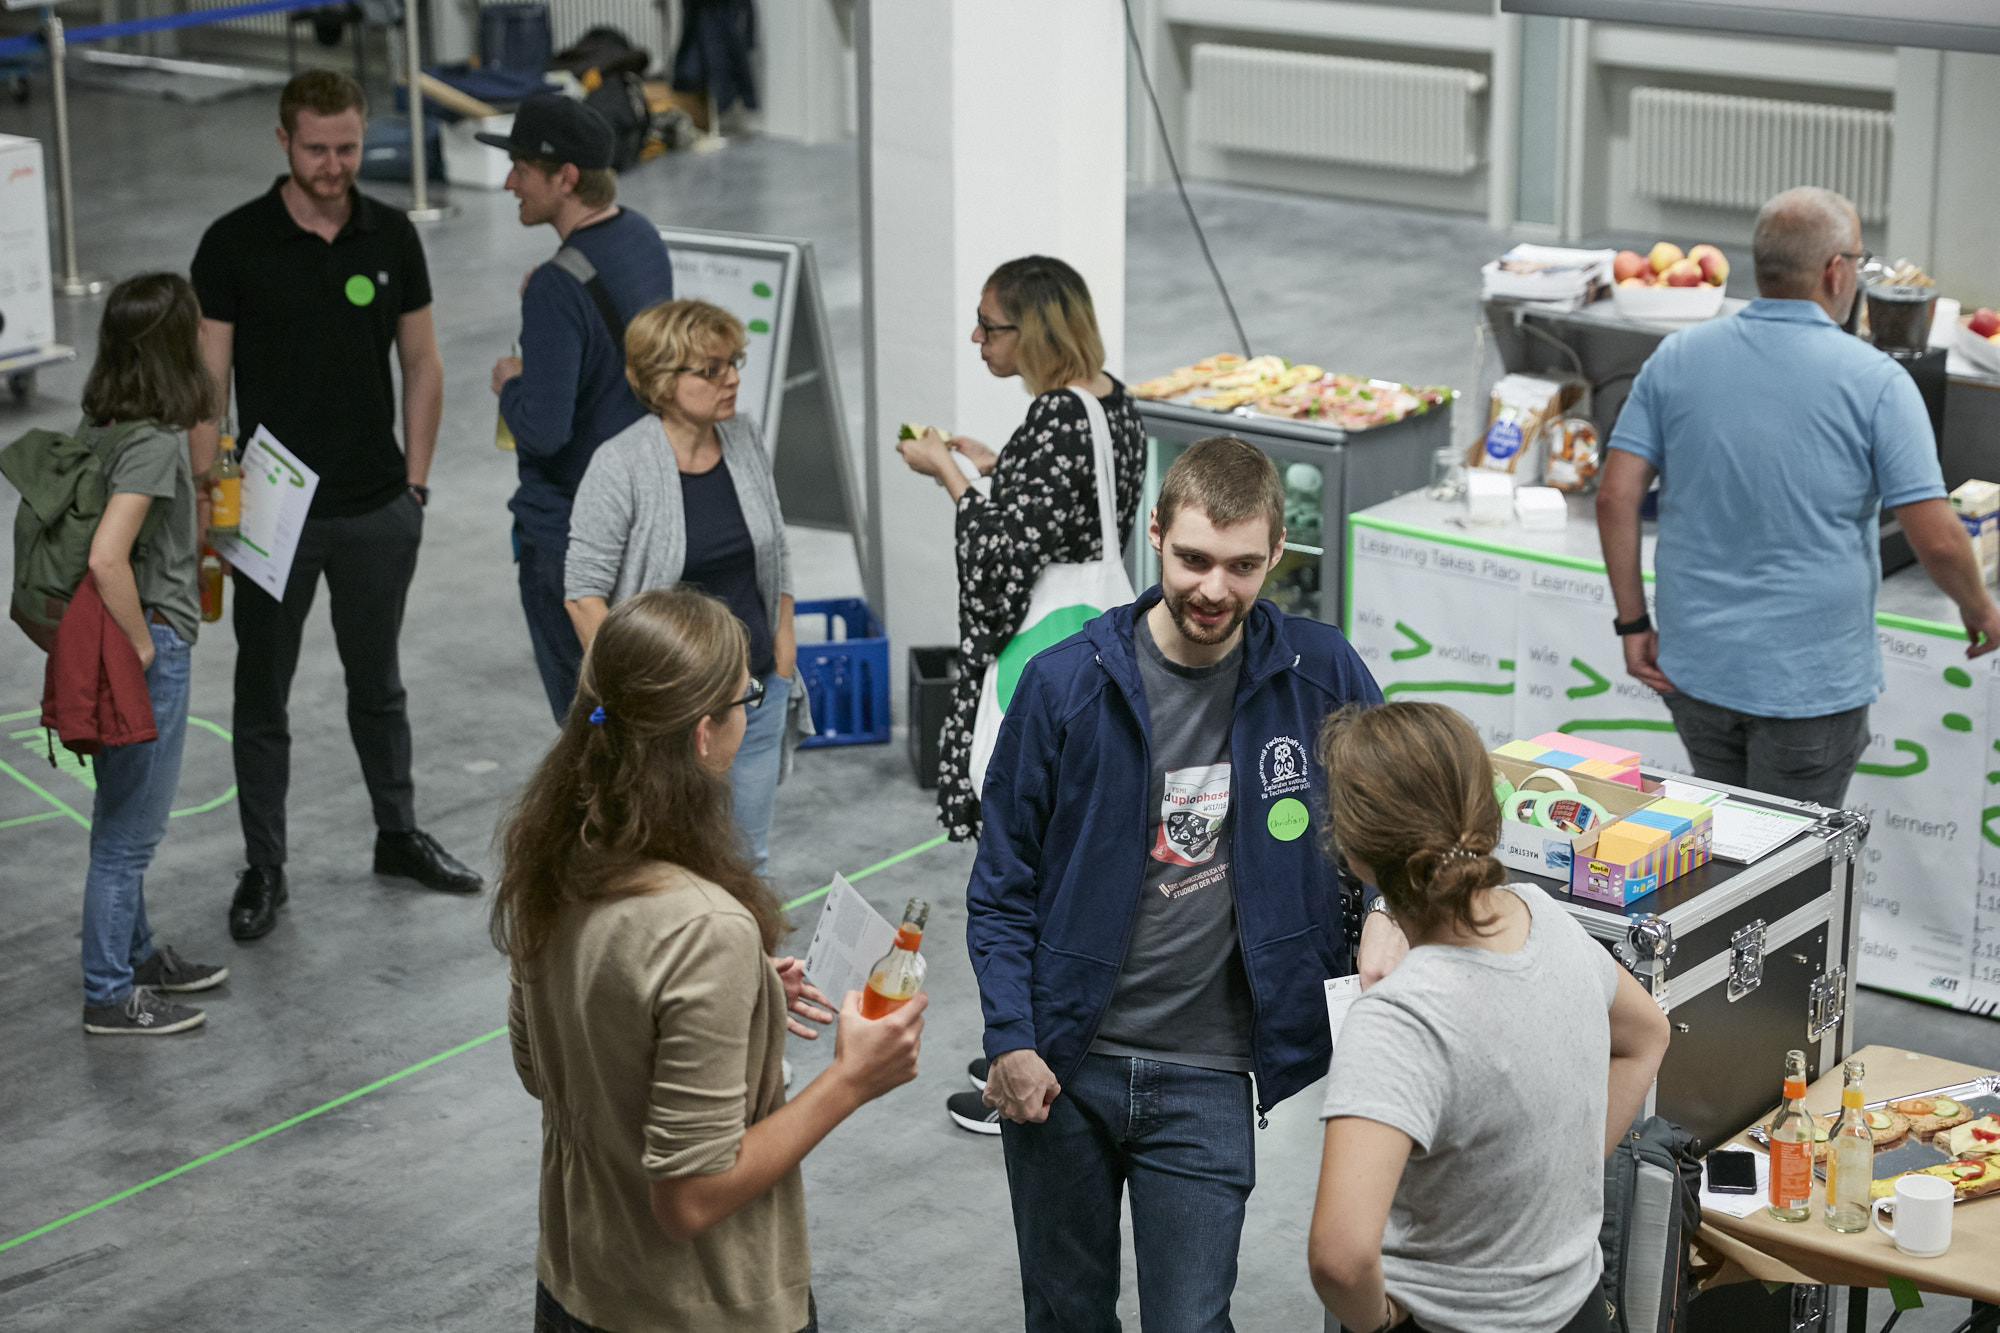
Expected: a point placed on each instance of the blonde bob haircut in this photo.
(662, 342)
(1049, 303)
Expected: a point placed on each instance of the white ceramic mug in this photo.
(1922, 1207)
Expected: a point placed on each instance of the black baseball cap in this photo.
(555, 128)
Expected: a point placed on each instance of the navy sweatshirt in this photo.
(571, 394)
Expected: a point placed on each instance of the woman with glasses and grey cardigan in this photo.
(686, 496)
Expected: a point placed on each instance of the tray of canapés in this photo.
(1949, 1132)
(1272, 386)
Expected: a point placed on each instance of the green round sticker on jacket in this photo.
(360, 290)
(1287, 820)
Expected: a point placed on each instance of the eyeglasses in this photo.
(1862, 258)
(990, 329)
(752, 697)
(714, 370)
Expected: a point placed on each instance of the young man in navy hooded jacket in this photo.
(1151, 915)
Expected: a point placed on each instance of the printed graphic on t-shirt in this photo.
(1192, 811)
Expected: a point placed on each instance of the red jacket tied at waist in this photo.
(94, 692)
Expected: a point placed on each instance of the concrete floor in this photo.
(414, 1206)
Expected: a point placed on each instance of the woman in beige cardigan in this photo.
(645, 1013)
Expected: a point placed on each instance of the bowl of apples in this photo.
(1669, 284)
(1978, 340)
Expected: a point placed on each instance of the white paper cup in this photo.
(1922, 1209)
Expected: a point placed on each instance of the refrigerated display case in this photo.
(1328, 473)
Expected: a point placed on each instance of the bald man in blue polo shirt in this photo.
(1777, 438)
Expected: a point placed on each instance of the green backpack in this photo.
(64, 481)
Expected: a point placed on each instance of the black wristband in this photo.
(1638, 626)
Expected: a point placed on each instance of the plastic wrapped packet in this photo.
(1574, 455)
(1516, 424)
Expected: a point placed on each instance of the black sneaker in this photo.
(976, 1071)
(141, 1014)
(970, 1112)
(167, 970)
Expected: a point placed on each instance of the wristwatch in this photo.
(1381, 904)
(423, 493)
(1639, 625)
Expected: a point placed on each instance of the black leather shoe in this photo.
(416, 855)
(260, 892)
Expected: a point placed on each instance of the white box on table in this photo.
(27, 298)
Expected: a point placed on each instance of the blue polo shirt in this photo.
(1778, 438)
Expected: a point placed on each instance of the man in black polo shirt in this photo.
(303, 293)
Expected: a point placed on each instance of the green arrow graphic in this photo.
(1598, 684)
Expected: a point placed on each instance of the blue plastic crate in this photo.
(847, 677)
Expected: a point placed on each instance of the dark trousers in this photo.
(1179, 1140)
(558, 652)
(1800, 758)
(1593, 1316)
(368, 560)
(550, 1317)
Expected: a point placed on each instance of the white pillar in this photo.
(989, 131)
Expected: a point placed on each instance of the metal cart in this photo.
(20, 367)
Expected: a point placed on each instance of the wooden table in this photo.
(1810, 1252)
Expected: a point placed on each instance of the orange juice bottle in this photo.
(898, 974)
(1791, 1136)
(211, 584)
(225, 489)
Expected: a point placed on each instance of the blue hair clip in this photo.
(597, 716)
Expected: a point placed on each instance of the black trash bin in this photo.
(933, 671)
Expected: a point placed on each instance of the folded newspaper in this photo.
(1549, 275)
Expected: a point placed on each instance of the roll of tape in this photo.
(1520, 806)
(1562, 780)
(1568, 812)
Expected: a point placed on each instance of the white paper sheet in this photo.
(850, 936)
(1740, 1205)
(277, 493)
(1341, 993)
(1743, 833)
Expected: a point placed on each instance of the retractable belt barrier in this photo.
(54, 39)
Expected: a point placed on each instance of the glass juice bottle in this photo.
(1791, 1135)
(898, 974)
(1850, 1158)
(211, 584)
(225, 487)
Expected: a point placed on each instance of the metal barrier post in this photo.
(68, 282)
(421, 209)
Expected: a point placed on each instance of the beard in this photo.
(1193, 630)
(326, 189)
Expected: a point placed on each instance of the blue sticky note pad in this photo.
(1675, 825)
(1559, 759)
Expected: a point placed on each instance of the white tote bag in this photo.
(1065, 597)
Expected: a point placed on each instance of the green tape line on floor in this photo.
(381, 1083)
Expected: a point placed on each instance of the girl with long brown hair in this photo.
(146, 389)
(644, 1012)
(1477, 1088)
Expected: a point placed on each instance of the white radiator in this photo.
(644, 21)
(1380, 113)
(1736, 152)
(268, 25)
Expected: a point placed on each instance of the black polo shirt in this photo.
(315, 323)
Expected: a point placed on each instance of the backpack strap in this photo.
(573, 262)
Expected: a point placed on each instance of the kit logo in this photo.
(1282, 766)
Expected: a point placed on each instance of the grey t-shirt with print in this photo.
(1497, 1067)
(154, 461)
(1182, 996)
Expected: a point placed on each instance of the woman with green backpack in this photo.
(149, 371)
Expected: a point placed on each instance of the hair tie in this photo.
(597, 716)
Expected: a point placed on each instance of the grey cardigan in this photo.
(627, 532)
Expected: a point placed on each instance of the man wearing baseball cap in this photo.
(566, 392)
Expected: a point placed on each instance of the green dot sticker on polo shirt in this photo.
(360, 289)
(1287, 819)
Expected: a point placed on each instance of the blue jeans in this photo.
(753, 778)
(558, 652)
(135, 790)
(1179, 1139)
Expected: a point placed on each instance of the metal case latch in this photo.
(1647, 948)
(1828, 999)
(1746, 960)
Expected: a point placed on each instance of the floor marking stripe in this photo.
(379, 1083)
(37, 789)
(825, 889)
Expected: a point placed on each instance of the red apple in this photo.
(1629, 264)
(1634, 281)
(1685, 273)
(1665, 255)
(1714, 264)
(1985, 322)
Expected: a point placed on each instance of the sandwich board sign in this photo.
(790, 388)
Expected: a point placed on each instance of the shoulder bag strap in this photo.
(1106, 472)
(573, 262)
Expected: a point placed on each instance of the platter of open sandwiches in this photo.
(1273, 386)
(1953, 1133)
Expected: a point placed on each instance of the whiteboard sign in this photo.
(752, 279)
